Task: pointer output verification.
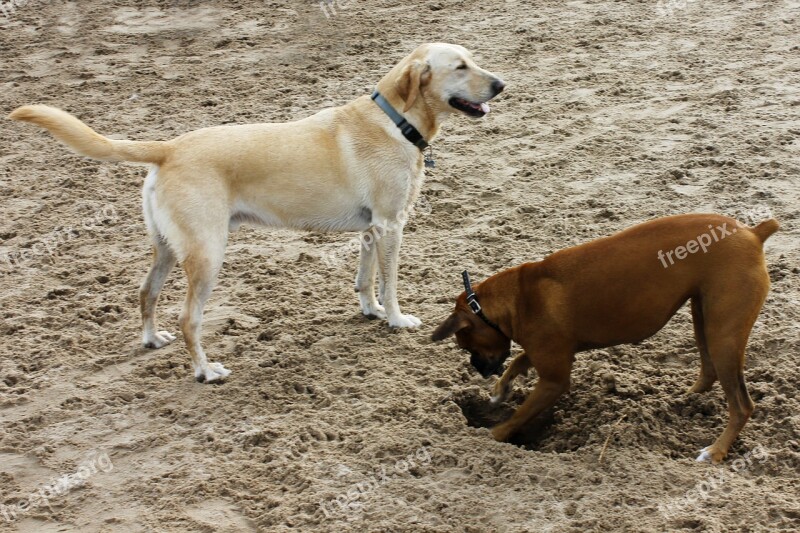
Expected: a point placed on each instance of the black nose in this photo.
(498, 86)
(485, 368)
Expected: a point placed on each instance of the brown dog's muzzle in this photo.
(485, 367)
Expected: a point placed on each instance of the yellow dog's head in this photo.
(443, 78)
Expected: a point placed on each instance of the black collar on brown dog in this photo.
(406, 128)
(472, 302)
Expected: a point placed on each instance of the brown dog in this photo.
(621, 289)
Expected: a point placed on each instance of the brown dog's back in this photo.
(642, 275)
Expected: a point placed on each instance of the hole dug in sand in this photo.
(480, 413)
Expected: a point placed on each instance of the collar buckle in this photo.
(406, 128)
(472, 302)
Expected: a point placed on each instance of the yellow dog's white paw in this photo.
(373, 309)
(212, 372)
(158, 340)
(404, 321)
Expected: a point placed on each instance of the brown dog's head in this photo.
(488, 347)
(444, 78)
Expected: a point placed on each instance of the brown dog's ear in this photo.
(453, 323)
(411, 81)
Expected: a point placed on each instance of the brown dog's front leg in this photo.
(553, 382)
(502, 386)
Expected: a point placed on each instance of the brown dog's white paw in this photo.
(500, 392)
(710, 455)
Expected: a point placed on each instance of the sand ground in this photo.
(616, 112)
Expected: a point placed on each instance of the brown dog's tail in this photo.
(766, 228)
(85, 141)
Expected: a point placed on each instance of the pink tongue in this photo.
(485, 107)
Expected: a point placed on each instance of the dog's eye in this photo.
(462, 66)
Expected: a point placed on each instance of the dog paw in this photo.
(709, 455)
(374, 310)
(501, 433)
(211, 373)
(405, 321)
(704, 457)
(700, 387)
(499, 393)
(497, 399)
(158, 340)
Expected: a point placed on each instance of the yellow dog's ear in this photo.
(452, 324)
(411, 81)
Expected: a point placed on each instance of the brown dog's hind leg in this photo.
(729, 317)
(707, 373)
(553, 373)
(728, 357)
(502, 386)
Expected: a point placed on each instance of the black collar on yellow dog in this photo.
(472, 302)
(406, 128)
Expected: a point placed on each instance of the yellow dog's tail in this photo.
(85, 141)
(766, 228)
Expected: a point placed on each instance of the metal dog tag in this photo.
(429, 162)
